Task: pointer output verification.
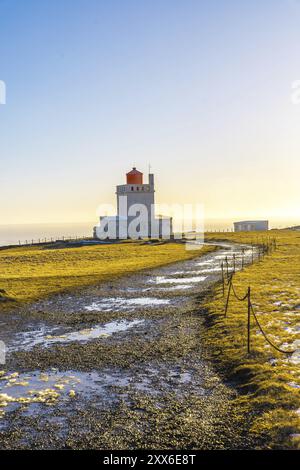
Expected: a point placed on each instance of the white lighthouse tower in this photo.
(135, 212)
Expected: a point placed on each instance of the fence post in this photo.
(223, 280)
(249, 319)
(227, 272)
(228, 296)
(234, 262)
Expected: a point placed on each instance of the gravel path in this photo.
(119, 365)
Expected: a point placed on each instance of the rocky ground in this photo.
(120, 365)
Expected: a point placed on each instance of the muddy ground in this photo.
(121, 365)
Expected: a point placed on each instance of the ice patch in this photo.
(96, 332)
(170, 280)
(48, 387)
(119, 303)
(295, 357)
(211, 270)
(293, 385)
(27, 340)
(205, 263)
(178, 287)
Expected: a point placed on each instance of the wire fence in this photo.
(43, 240)
(227, 282)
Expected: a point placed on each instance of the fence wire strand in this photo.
(265, 336)
(241, 299)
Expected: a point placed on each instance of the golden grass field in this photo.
(270, 380)
(32, 272)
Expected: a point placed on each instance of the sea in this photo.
(33, 233)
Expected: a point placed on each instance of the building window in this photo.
(142, 188)
(131, 188)
(137, 188)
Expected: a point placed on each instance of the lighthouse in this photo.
(135, 212)
(136, 192)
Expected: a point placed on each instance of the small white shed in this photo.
(251, 225)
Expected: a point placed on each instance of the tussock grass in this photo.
(269, 381)
(33, 272)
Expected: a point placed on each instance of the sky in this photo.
(201, 90)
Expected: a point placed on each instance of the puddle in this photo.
(222, 257)
(211, 270)
(179, 273)
(52, 386)
(238, 255)
(31, 389)
(23, 340)
(207, 264)
(206, 270)
(137, 289)
(119, 303)
(178, 287)
(27, 340)
(177, 280)
(95, 332)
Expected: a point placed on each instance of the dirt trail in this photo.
(119, 365)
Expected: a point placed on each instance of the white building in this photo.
(251, 226)
(135, 212)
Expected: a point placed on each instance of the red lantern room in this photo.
(134, 177)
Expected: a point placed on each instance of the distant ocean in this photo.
(12, 234)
